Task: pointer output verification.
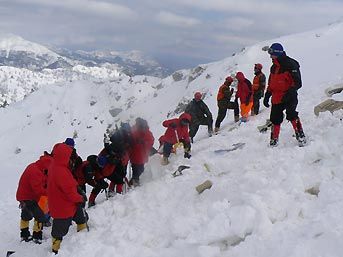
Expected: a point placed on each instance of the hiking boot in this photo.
(134, 182)
(25, 235)
(300, 136)
(236, 118)
(210, 132)
(111, 193)
(273, 142)
(216, 130)
(91, 204)
(164, 161)
(37, 237)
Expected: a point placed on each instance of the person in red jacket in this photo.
(32, 185)
(142, 141)
(283, 84)
(244, 93)
(177, 132)
(65, 202)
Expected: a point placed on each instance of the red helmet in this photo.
(258, 66)
(229, 79)
(197, 96)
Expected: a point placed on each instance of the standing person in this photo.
(258, 87)
(283, 84)
(65, 202)
(201, 115)
(141, 144)
(31, 187)
(223, 101)
(177, 132)
(244, 93)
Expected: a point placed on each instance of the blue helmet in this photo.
(276, 49)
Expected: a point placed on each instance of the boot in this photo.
(216, 130)
(164, 161)
(91, 200)
(210, 132)
(274, 135)
(56, 244)
(81, 227)
(37, 234)
(236, 118)
(299, 133)
(24, 231)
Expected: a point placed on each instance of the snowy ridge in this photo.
(264, 201)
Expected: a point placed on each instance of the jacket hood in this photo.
(240, 76)
(44, 162)
(61, 154)
(185, 116)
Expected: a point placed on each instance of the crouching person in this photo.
(65, 203)
(32, 185)
(177, 132)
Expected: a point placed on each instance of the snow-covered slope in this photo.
(258, 205)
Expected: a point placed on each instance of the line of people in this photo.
(62, 176)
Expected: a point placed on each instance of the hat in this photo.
(276, 49)
(240, 76)
(69, 141)
(197, 96)
(229, 79)
(101, 160)
(258, 66)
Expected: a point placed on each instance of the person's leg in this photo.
(26, 216)
(276, 117)
(220, 118)
(235, 107)
(80, 218)
(193, 129)
(167, 148)
(60, 228)
(293, 117)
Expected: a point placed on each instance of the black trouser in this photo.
(256, 105)
(30, 209)
(222, 112)
(98, 187)
(276, 114)
(194, 126)
(118, 175)
(137, 170)
(60, 227)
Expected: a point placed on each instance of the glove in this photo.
(290, 95)
(102, 184)
(266, 99)
(187, 155)
(173, 125)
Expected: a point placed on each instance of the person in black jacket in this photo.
(200, 114)
(283, 84)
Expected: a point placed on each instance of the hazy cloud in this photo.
(175, 20)
(179, 32)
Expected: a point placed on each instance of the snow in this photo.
(258, 205)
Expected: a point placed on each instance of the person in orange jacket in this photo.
(32, 186)
(223, 101)
(258, 87)
(244, 93)
(142, 141)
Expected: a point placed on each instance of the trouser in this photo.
(29, 210)
(256, 105)
(60, 227)
(245, 109)
(276, 114)
(222, 112)
(117, 179)
(194, 126)
(137, 170)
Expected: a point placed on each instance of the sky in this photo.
(178, 33)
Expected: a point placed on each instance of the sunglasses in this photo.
(272, 51)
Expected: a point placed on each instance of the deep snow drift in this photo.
(259, 204)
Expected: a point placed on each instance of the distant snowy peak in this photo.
(10, 42)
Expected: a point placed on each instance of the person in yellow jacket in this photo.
(258, 87)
